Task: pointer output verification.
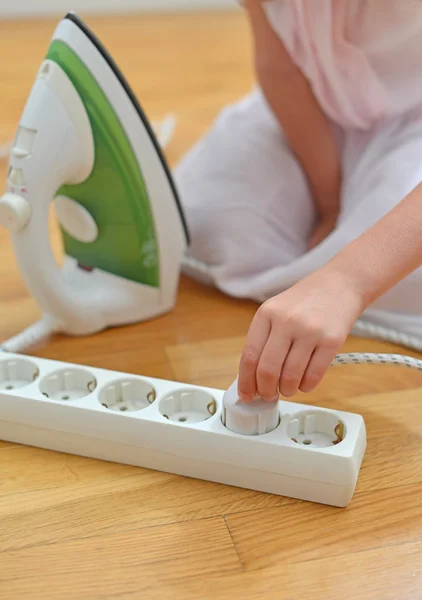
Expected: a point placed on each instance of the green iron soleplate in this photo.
(115, 194)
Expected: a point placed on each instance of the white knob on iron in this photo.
(15, 212)
(254, 418)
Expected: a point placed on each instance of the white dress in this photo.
(247, 201)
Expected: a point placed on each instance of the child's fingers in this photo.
(255, 343)
(295, 367)
(270, 365)
(318, 366)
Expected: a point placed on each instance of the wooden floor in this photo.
(77, 528)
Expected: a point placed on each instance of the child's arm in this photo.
(295, 336)
(306, 127)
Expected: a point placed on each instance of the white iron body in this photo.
(54, 147)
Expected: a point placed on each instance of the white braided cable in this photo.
(396, 360)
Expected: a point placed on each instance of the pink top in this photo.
(363, 58)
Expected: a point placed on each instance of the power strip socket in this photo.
(314, 454)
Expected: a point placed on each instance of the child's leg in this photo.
(247, 202)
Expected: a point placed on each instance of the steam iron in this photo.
(84, 143)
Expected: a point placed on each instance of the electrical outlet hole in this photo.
(188, 406)
(127, 395)
(17, 373)
(316, 429)
(68, 384)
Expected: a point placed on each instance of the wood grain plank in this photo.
(26, 469)
(77, 528)
(389, 574)
(104, 504)
(133, 561)
(292, 534)
(392, 413)
(391, 461)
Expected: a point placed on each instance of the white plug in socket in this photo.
(255, 418)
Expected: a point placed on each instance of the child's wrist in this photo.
(348, 282)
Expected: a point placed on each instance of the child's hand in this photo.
(295, 336)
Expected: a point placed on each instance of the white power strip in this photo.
(314, 454)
